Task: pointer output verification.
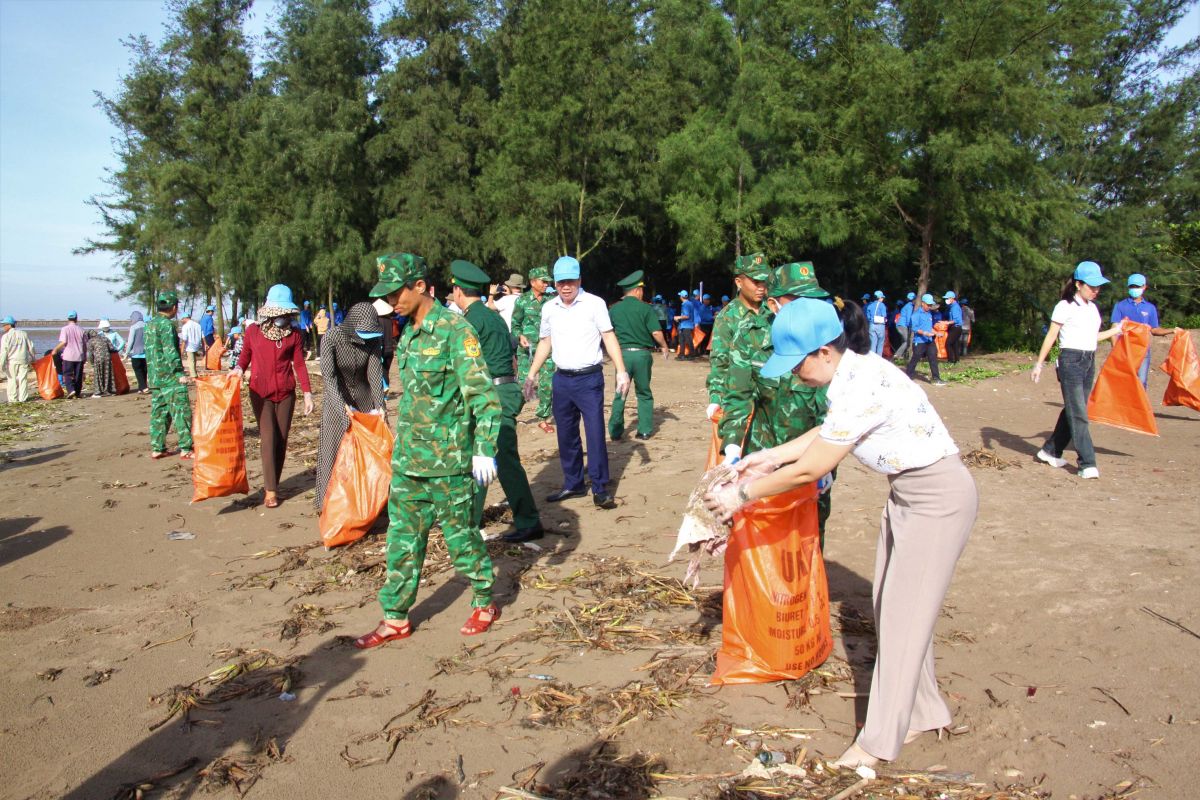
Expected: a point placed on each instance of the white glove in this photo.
(483, 468)
(623, 383)
(825, 483)
(723, 501)
(712, 410)
(733, 454)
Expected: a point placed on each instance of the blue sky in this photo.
(55, 144)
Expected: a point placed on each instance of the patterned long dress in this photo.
(98, 350)
(353, 371)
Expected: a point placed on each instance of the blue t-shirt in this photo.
(877, 309)
(705, 314)
(688, 311)
(906, 315)
(955, 312)
(306, 320)
(1143, 312)
(921, 321)
(206, 325)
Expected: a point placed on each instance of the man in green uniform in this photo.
(751, 274)
(169, 403)
(526, 326)
(447, 421)
(468, 282)
(639, 332)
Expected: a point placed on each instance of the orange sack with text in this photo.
(120, 376)
(1118, 398)
(47, 378)
(360, 481)
(775, 608)
(212, 359)
(941, 332)
(1184, 369)
(220, 445)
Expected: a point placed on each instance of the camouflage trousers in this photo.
(170, 405)
(545, 380)
(414, 505)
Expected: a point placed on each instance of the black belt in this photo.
(575, 373)
(504, 380)
(635, 349)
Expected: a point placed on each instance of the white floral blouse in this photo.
(887, 417)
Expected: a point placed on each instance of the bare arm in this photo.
(539, 356)
(1047, 343)
(614, 349)
(819, 459)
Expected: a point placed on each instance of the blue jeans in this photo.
(1144, 370)
(878, 336)
(1076, 372)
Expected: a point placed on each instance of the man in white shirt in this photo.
(574, 324)
(191, 337)
(504, 305)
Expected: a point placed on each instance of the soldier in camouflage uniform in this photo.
(526, 326)
(169, 401)
(751, 274)
(447, 422)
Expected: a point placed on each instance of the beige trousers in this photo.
(19, 387)
(190, 362)
(925, 525)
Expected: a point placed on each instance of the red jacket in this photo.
(274, 366)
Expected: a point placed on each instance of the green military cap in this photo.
(468, 276)
(632, 280)
(798, 279)
(753, 266)
(396, 270)
(167, 298)
(540, 273)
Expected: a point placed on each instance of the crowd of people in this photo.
(797, 380)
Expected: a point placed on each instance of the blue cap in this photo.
(912, 296)
(72, 315)
(307, 303)
(696, 293)
(566, 269)
(280, 296)
(866, 297)
(1089, 273)
(335, 305)
(963, 301)
(949, 296)
(658, 298)
(682, 293)
(878, 295)
(236, 329)
(799, 328)
(211, 308)
(724, 298)
(8, 320)
(707, 297)
(1136, 279)
(928, 300)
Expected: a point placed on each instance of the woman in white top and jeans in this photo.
(1075, 323)
(879, 414)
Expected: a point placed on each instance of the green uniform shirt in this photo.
(448, 410)
(164, 365)
(494, 339)
(635, 323)
(729, 319)
(527, 316)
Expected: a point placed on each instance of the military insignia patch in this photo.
(431, 351)
(804, 271)
(758, 259)
(471, 346)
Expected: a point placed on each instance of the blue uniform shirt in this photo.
(921, 321)
(306, 320)
(906, 315)
(704, 314)
(955, 312)
(1143, 312)
(688, 312)
(206, 325)
(877, 309)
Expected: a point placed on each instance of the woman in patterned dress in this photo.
(98, 349)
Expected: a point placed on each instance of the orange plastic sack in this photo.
(940, 334)
(714, 445)
(212, 359)
(47, 378)
(1118, 398)
(120, 376)
(219, 468)
(1184, 369)
(360, 481)
(776, 599)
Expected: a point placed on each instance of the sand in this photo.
(1053, 648)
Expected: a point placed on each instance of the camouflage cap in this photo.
(396, 270)
(753, 266)
(167, 298)
(798, 279)
(539, 273)
(468, 276)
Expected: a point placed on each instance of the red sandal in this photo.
(546, 426)
(476, 624)
(374, 638)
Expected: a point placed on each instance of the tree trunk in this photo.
(737, 219)
(926, 259)
(220, 304)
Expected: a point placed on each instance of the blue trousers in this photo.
(575, 397)
(1076, 372)
(878, 337)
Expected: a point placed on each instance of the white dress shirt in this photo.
(575, 330)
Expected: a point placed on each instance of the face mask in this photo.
(368, 335)
(281, 322)
(1136, 291)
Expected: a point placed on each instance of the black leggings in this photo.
(139, 369)
(274, 423)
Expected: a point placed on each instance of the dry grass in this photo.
(422, 715)
(241, 770)
(249, 673)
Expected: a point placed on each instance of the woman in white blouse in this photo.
(1075, 323)
(877, 413)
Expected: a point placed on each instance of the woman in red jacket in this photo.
(274, 353)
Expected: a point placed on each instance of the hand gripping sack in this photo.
(1184, 369)
(47, 378)
(775, 617)
(219, 468)
(1118, 398)
(120, 376)
(360, 481)
(212, 359)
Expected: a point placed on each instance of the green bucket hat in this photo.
(753, 266)
(541, 273)
(396, 270)
(798, 279)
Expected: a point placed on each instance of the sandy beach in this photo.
(218, 660)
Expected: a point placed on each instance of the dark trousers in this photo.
(927, 351)
(953, 335)
(574, 397)
(274, 423)
(72, 372)
(513, 479)
(1076, 371)
(702, 348)
(686, 347)
(139, 369)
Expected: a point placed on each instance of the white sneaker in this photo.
(1057, 463)
(1089, 473)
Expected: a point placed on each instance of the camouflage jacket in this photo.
(164, 366)
(527, 316)
(763, 412)
(722, 337)
(448, 410)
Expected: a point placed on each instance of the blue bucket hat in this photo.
(1089, 273)
(566, 269)
(8, 320)
(1136, 279)
(800, 327)
(949, 296)
(280, 296)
